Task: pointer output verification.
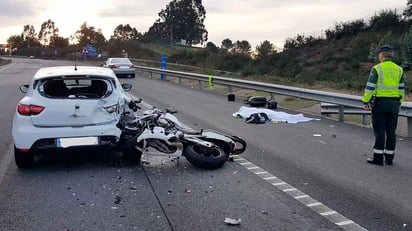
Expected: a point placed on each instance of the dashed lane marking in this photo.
(320, 208)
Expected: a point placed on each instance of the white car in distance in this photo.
(68, 107)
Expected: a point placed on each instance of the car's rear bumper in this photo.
(126, 71)
(29, 137)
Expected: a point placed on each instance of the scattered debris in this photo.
(265, 212)
(235, 172)
(334, 136)
(188, 191)
(231, 221)
(118, 200)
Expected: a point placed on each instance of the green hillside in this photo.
(341, 60)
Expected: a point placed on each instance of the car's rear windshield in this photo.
(120, 60)
(82, 88)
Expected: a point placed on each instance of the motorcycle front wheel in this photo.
(205, 157)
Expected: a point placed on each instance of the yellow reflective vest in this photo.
(385, 80)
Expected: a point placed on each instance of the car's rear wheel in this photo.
(23, 159)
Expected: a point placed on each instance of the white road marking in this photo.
(316, 206)
(5, 162)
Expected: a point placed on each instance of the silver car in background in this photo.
(120, 66)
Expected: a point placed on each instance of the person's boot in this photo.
(389, 159)
(377, 159)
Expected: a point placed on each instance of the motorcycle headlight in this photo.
(111, 109)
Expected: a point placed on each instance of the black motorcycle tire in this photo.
(204, 157)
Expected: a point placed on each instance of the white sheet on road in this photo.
(245, 112)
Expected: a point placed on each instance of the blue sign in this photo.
(163, 65)
(90, 50)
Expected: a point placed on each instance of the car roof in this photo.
(45, 72)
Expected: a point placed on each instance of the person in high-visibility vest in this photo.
(384, 93)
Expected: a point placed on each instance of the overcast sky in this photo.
(251, 20)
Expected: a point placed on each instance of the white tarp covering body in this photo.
(245, 112)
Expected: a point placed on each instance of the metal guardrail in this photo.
(343, 100)
(330, 108)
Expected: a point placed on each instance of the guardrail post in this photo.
(341, 112)
(229, 89)
(272, 96)
(365, 119)
(200, 84)
(409, 125)
(180, 80)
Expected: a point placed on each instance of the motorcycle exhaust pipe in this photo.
(200, 142)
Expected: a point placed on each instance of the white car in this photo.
(120, 66)
(65, 107)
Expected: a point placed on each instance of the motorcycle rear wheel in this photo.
(204, 157)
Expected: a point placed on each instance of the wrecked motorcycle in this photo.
(159, 132)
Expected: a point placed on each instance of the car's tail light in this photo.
(132, 66)
(24, 109)
(112, 66)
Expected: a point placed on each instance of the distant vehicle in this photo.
(68, 107)
(120, 66)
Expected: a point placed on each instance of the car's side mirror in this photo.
(126, 87)
(24, 88)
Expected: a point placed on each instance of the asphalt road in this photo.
(305, 176)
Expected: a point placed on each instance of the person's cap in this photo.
(386, 48)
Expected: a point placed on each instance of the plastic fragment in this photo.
(231, 221)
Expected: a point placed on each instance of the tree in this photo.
(227, 45)
(29, 36)
(408, 11)
(211, 47)
(88, 35)
(16, 41)
(125, 32)
(47, 31)
(59, 42)
(181, 20)
(265, 49)
(242, 47)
